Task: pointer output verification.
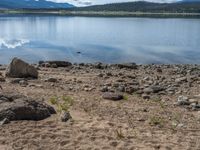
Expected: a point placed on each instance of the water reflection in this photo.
(109, 40)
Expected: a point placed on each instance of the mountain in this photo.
(190, 1)
(142, 6)
(32, 4)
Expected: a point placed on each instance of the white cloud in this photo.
(94, 2)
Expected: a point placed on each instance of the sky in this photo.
(95, 2)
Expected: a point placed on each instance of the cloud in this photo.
(94, 2)
(75, 2)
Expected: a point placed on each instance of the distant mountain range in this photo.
(32, 4)
(186, 6)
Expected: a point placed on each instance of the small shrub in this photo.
(119, 134)
(125, 97)
(156, 121)
(62, 103)
(54, 100)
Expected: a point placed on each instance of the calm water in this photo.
(109, 40)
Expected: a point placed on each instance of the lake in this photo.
(99, 39)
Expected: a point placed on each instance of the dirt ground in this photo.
(134, 123)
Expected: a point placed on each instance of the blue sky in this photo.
(94, 2)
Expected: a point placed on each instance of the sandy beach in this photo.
(148, 117)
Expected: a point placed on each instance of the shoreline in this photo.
(101, 14)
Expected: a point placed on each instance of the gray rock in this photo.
(20, 69)
(127, 65)
(19, 107)
(148, 90)
(51, 80)
(4, 121)
(112, 96)
(183, 100)
(145, 96)
(153, 89)
(54, 66)
(55, 63)
(99, 65)
(16, 80)
(121, 88)
(65, 116)
(195, 106)
(2, 79)
(23, 83)
(104, 89)
(182, 79)
(131, 89)
(157, 88)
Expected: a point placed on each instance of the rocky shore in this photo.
(115, 106)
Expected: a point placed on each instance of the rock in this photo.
(131, 89)
(193, 101)
(104, 89)
(182, 79)
(99, 65)
(145, 96)
(51, 80)
(19, 107)
(20, 69)
(148, 90)
(159, 70)
(153, 89)
(2, 79)
(195, 106)
(16, 80)
(157, 88)
(112, 96)
(127, 65)
(87, 89)
(171, 90)
(183, 100)
(197, 96)
(23, 83)
(4, 121)
(109, 74)
(121, 88)
(100, 75)
(65, 116)
(55, 64)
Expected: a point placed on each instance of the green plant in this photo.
(119, 134)
(162, 105)
(125, 97)
(156, 121)
(62, 103)
(176, 121)
(53, 100)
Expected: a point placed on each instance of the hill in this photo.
(32, 4)
(142, 6)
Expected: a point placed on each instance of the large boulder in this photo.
(20, 69)
(19, 107)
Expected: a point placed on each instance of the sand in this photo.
(100, 124)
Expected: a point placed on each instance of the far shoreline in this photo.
(100, 13)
